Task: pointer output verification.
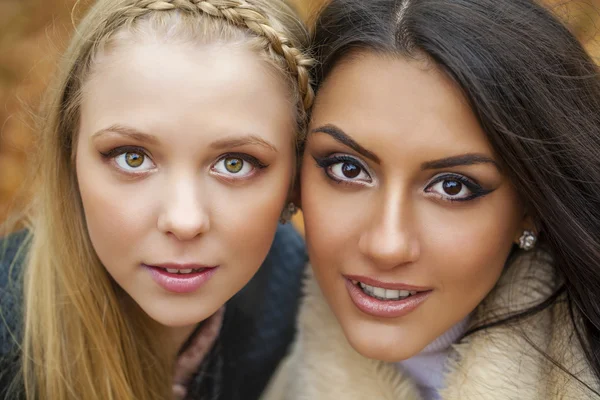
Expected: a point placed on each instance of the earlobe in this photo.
(292, 204)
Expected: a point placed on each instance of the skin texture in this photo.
(180, 204)
(393, 220)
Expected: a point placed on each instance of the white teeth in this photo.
(182, 271)
(354, 282)
(366, 288)
(385, 294)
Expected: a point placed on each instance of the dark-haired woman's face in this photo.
(409, 218)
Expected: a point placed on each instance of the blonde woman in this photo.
(166, 156)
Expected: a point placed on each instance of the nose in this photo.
(389, 240)
(184, 213)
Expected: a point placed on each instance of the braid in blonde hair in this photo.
(244, 15)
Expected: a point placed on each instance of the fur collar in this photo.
(499, 363)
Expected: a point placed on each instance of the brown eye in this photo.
(456, 188)
(134, 160)
(344, 168)
(452, 187)
(350, 171)
(234, 165)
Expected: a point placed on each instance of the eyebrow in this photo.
(128, 132)
(460, 160)
(346, 140)
(449, 162)
(151, 139)
(239, 141)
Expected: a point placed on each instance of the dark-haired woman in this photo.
(451, 193)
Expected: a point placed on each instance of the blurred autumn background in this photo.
(34, 32)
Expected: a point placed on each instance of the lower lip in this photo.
(384, 308)
(180, 283)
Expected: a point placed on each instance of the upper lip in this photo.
(386, 285)
(180, 266)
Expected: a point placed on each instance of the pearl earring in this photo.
(527, 240)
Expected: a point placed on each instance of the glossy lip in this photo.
(180, 266)
(178, 283)
(386, 285)
(385, 308)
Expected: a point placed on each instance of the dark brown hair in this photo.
(536, 94)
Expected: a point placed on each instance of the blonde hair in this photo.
(83, 337)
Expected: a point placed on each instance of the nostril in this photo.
(389, 248)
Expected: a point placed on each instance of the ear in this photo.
(527, 224)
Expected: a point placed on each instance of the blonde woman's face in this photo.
(184, 162)
(409, 218)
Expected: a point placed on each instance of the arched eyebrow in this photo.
(238, 141)
(342, 137)
(460, 160)
(128, 132)
(228, 142)
(448, 162)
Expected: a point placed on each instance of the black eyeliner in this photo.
(325, 162)
(246, 157)
(117, 151)
(476, 189)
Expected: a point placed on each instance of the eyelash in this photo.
(476, 189)
(117, 151)
(246, 157)
(326, 162)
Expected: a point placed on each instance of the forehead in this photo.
(409, 102)
(187, 88)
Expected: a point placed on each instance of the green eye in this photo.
(134, 160)
(234, 165)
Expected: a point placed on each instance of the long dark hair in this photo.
(536, 93)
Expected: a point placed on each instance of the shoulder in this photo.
(538, 353)
(13, 249)
(12, 255)
(288, 247)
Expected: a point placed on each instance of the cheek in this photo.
(333, 217)
(467, 250)
(320, 216)
(247, 217)
(117, 215)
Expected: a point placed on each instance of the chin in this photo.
(179, 318)
(381, 343)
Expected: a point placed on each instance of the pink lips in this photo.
(385, 308)
(180, 283)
